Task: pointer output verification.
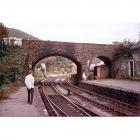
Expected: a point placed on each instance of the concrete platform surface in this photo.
(17, 106)
(126, 85)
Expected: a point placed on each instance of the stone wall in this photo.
(130, 97)
(128, 67)
(136, 57)
(137, 70)
(121, 68)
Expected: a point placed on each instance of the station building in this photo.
(128, 67)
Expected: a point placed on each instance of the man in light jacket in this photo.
(29, 82)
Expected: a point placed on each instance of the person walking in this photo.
(29, 82)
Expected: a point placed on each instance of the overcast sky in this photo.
(99, 21)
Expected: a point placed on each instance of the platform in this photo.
(126, 85)
(17, 106)
(123, 90)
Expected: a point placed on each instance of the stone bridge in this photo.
(79, 53)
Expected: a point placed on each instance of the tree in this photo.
(3, 32)
(124, 49)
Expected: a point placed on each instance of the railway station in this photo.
(73, 79)
(77, 80)
(69, 69)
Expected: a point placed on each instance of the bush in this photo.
(1, 79)
(2, 50)
(124, 50)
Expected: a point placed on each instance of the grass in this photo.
(7, 89)
(38, 75)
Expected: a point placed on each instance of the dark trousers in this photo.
(30, 95)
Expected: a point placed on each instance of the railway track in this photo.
(94, 107)
(101, 101)
(59, 105)
(91, 103)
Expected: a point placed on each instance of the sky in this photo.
(93, 21)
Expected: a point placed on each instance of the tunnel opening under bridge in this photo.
(51, 61)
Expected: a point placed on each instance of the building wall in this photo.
(102, 72)
(13, 41)
(137, 69)
(121, 68)
(136, 56)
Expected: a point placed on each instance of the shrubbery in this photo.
(12, 59)
(11, 68)
(124, 49)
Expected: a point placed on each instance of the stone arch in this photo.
(105, 59)
(41, 55)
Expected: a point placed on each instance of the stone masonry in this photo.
(136, 57)
(79, 53)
